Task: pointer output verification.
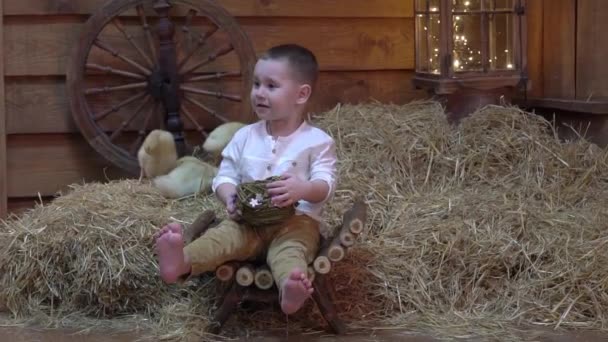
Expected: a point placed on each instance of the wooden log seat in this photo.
(253, 281)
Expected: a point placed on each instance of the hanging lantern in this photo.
(469, 44)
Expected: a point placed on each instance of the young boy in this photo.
(280, 143)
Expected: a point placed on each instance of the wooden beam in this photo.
(591, 66)
(42, 47)
(579, 106)
(3, 173)
(28, 97)
(559, 48)
(238, 8)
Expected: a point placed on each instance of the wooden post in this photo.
(3, 151)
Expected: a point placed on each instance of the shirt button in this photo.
(274, 150)
(294, 163)
(268, 167)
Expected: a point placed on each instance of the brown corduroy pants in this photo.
(294, 243)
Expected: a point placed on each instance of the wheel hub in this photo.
(155, 85)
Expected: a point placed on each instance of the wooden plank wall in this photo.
(365, 49)
(566, 53)
(559, 47)
(592, 56)
(3, 175)
(534, 23)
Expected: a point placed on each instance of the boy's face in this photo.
(276, 93)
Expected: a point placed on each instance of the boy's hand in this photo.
(287, 191)
(233, 213)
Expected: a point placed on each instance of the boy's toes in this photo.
(174, 227)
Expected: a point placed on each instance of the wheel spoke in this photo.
(200, 41)
(115, 53)
(186, 28)
(215, 76)
(141, 134)
(120, 105)
(110, 70)
(138, 85)
(220, 52)
(190, 117)
(128, 121)
(146, 27)
(218, 94)
(205, 108)
(143, 55)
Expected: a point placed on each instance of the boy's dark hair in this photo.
(302, 61)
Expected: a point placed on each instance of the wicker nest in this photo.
(253, 201)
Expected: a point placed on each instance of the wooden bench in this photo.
(253, 281)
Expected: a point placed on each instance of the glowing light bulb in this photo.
(434, 9)
(509, 66)
(456, 63)
(467, 3)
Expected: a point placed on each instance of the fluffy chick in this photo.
(157, 155)
(221, 136)
(191, 176)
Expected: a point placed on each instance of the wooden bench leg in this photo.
(322, 296)
(234, 297)
(230, 302)
(202, 223)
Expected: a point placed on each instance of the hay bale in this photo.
(500, 146)
(498, 229)
(90, 251)
(471, 227)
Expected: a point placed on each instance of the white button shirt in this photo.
(308, 153)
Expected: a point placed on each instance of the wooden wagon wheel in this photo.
(180, 65)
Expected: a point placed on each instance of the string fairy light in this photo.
(466, 53)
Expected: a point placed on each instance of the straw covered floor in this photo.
(472, 230)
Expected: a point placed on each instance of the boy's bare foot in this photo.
(294, 291)
(170, 250)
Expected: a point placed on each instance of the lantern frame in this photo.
(447, 80)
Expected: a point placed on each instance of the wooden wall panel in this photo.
(365, 49)
(592, 47)
(44, 164)
(36, 105)
(17, 206)
(239, 8)
(41, 106)
(43, 47)
(535, 46)
(3, 175)
(559, 48)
